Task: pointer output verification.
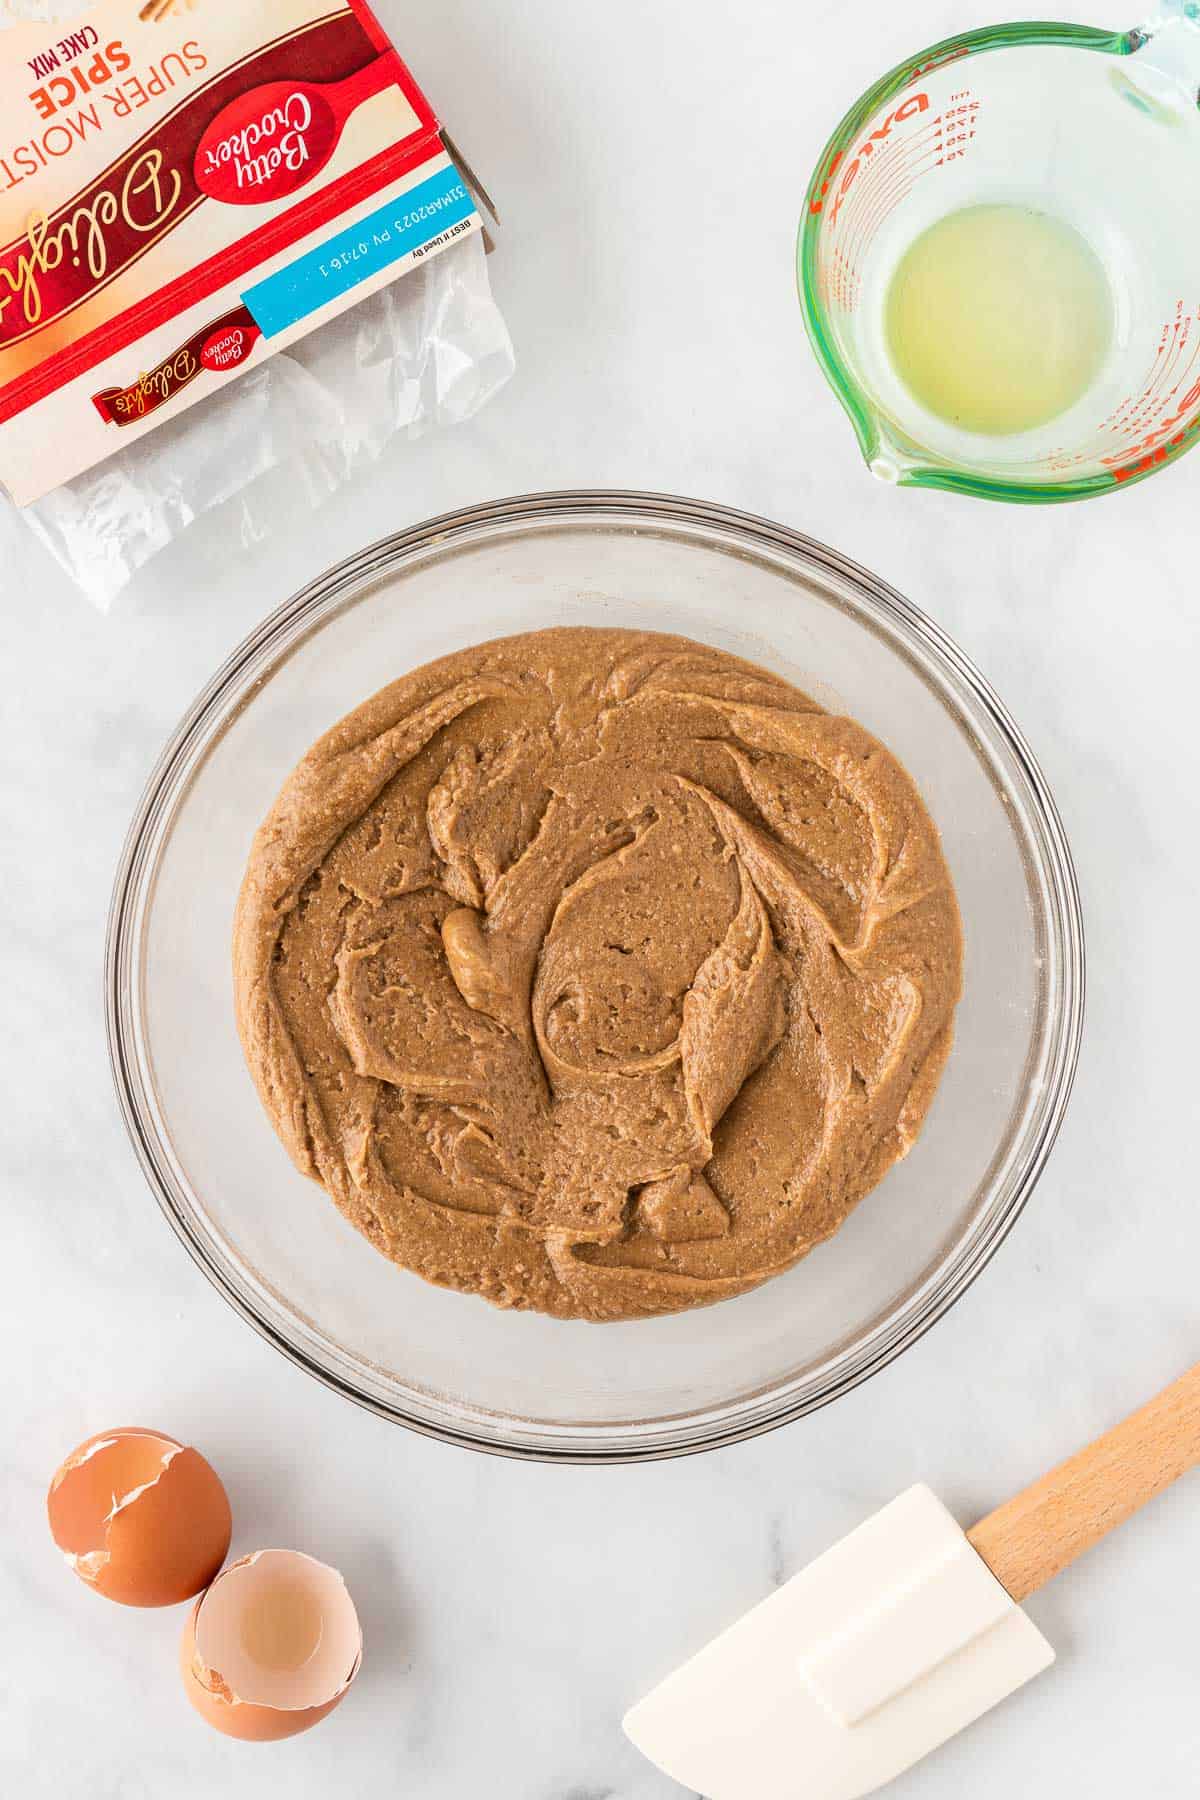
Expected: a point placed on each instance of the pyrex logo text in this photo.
(908, 109)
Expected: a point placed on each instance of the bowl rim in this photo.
(171, 777)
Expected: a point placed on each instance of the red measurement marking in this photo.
(860, 199)
(1180, 332)
(867, 189)
(911, 149)
(1137, 412)
(902, 179)
(902, 183)
(888, 170)
(1165, 417)
(1143, 405)
(869, 145)
(1184, 379)
(881, 172)
(888, 176)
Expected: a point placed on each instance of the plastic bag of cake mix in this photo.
(240, 256)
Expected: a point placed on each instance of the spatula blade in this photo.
(880, 1650)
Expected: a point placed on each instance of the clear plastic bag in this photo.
(430, 349)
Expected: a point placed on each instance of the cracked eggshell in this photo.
(140, 1518)
(272, 1647)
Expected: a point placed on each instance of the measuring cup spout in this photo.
(1165, 69)
(887, 459)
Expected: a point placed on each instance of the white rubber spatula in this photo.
(903, 1633)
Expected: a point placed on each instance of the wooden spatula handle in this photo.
(1028, 1540)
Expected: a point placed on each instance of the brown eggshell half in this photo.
(141, 1518)
(217, 1703)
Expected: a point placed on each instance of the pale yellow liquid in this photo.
(999, 318)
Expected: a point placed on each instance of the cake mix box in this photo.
(188, 187)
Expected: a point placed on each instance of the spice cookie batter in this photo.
(596, 972)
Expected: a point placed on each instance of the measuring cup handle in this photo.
(1165, 66)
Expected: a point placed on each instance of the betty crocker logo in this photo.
(275, 139)
(220, 346)
(229, 349)
(252, 155)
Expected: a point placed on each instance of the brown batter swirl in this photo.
(598, 972)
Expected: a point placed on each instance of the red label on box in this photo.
(223, 345)
(273, 141)
(158, 164)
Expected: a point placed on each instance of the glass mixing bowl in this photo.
(447, 1364)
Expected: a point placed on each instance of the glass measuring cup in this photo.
(1098, 129)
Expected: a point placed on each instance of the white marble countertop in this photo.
(512, 1612)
